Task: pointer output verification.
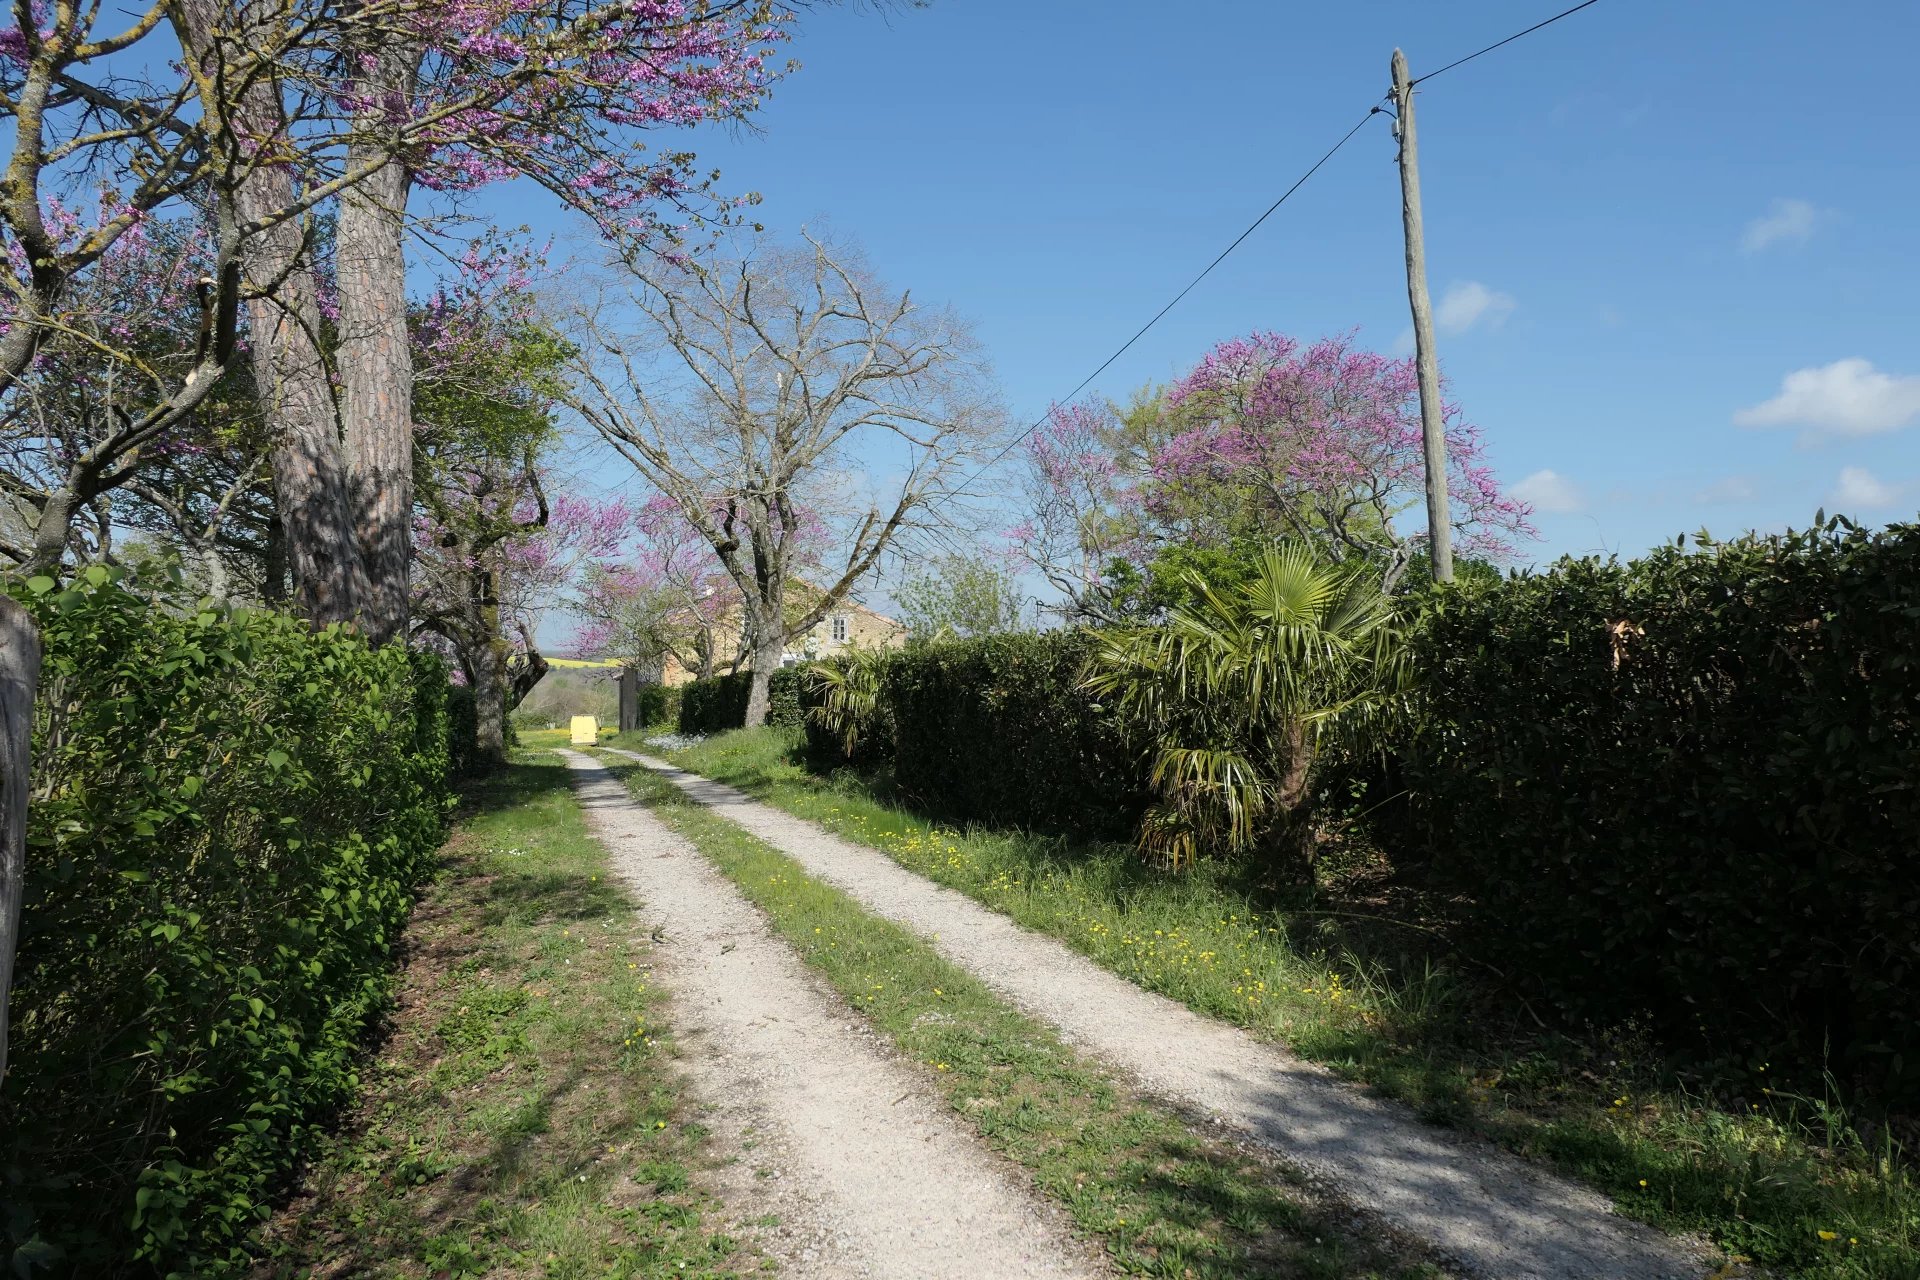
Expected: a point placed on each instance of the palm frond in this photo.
(1234, 686)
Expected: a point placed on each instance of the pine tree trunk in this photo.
(273, 585)
(290, 369)
(376, 370)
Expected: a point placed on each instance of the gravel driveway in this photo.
(867, 1172)
(1492, 1213)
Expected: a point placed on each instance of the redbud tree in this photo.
(1266, 438)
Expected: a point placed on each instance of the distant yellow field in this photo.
(579, 662)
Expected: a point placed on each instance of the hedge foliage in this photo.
(719, 704)
(1684, 789)
(997, 730)
(658, 704)
(229, 813)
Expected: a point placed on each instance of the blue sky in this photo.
(1642, 221)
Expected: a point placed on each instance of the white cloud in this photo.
(1846, 398)
(1859, 488)
(1731, 489)
(1785, 221)
(1549, 491)
(1466, 304)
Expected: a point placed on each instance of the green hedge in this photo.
(229, 813)
(996, 730)
(719, 704)
(1717, 835)
(657, 705)
(1720, 830)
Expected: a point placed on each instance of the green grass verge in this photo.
(520, 1118)
(1775, 1178)
(1163, 1199)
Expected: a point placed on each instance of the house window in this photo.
(839, 628)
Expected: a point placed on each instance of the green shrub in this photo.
(228, 815)
(1684, 789)
(719, 704)
(997, 729)
(658, 705)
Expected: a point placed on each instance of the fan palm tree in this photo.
(1235, 690)
(848, 693)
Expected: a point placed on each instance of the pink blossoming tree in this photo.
(270, 113)
(668, 599)
(1265, 439)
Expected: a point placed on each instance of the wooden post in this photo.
(19, 673)
(629, 700)
(1432, 423)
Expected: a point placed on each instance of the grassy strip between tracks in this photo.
(1164, 1199)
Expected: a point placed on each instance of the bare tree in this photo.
(779, 395)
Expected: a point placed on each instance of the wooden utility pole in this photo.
(1432, 422)
(19, 672)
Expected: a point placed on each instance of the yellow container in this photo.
(586, 731)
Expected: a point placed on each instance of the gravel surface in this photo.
(866, 1169)
(1489, 1212)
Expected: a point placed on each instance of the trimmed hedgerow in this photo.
(1678, 791)
(229, 813)
(720, 703)
(997, 730)
(1684, 789)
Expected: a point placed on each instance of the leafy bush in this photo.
(228, 814)
(659, 705)
(719, 704)
(997, 729)
(1684, 789)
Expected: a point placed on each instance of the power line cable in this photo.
(1509, 40)
(1161, 313)
(1124, 347)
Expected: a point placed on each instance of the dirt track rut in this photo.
(1491, 1213)
(868, 1173)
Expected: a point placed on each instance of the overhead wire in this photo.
(1140, 333)
(1253, 226)
(1458, 62)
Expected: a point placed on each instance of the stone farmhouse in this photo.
(848, 626)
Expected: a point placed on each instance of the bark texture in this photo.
(376, 366)
(290, 368)
(19, 673)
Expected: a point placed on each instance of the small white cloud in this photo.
(1549, 491)
(1466, 304)
(1859, 488)
(1731, 489)
(1846, 398)
(1787, 221)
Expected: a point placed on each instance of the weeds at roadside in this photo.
(521, 1117)
(1776, 1178)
